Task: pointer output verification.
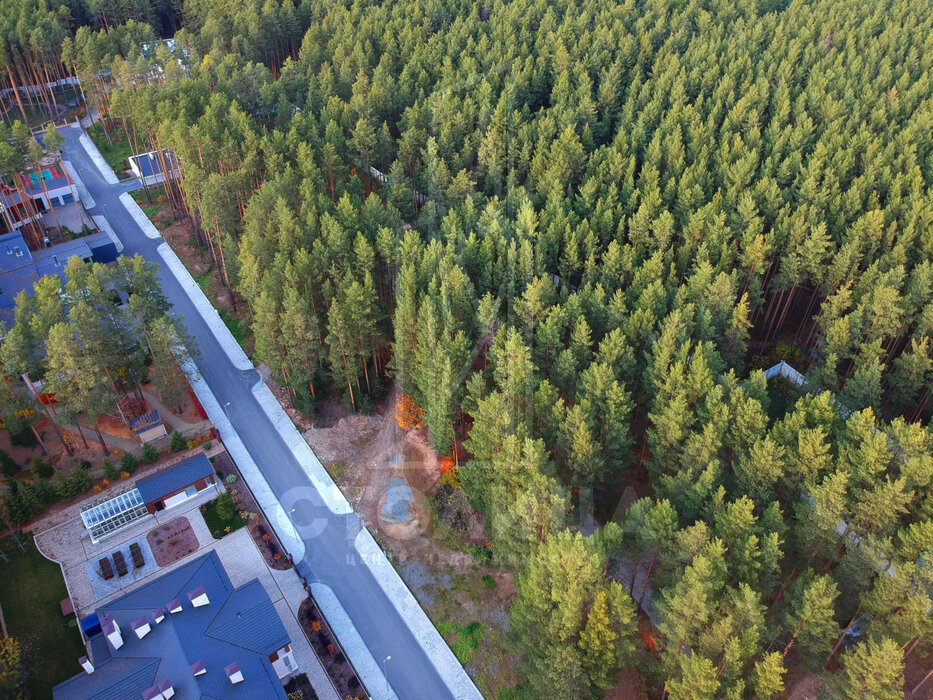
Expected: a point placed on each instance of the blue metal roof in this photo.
(13, 252)
(242, 621)
(115, 679)
(174, 478)
(212, 633)
(150, 164)
(144, 422)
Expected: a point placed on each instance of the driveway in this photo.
(331, 557)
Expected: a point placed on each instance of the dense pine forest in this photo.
(574, 234)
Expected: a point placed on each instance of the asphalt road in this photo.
(330, 555)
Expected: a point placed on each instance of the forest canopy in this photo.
(574, 234)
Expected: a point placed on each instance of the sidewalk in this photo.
(389, 586)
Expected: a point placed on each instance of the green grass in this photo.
(468, 638)
(154, 194)
(336, 469)
(115, 154)
(30, 589)
(488, 581)
(150, 209)
(235, 327)
(217, 525)
(203, 280)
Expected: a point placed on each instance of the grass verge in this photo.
(114, 153)
(30, 590)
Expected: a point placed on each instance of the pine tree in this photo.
(874, 669)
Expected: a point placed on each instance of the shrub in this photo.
(150, 453)
(41, 469)
(20, 433)
(408, 413)
(110, 471)
(124, 475)
(230, 478)
(178, 442)
(81, 476)
(225, 507)
(8, 465)
(488, 581)
(128, 462)
(207, 445)
(65, 486)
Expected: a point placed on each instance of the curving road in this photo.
(331, 557)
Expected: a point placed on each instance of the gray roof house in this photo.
(189, 633)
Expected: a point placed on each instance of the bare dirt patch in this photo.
(172, 541)
(447, 571)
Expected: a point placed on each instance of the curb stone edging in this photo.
(139, 216)
(207, 311)
(103, 166)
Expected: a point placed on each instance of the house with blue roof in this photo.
(188, 633)
(150, 168)
(20, 267)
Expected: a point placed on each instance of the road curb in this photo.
(353, 645)
(140, 217)
(448, 667)
(257, 483)
(104, 226)
(213, 320)
(86, 199)
(330, 493)
(103, 166)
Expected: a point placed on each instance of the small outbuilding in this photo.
(148, 427)
(176, 484)
(150, 168)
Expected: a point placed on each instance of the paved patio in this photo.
(71, 546)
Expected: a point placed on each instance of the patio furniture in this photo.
(120, 563)
(137, 554)
(106, 571)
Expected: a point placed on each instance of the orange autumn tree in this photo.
(408, 413)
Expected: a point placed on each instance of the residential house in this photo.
(188, 633)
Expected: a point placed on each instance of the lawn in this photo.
(30, 589)
(234, 326)
(115, 154)
(155, 193)
(217, 525)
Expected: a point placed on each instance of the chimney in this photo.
(111, 630)
(233, 673)
(174, 606)
(198, 597)
(141, 627)
(198, 668)
(86, 664)
(166, 689)
(158, 615)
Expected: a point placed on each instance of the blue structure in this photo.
(194, 474)
(20, 267)
(148, 166)
(220, 641)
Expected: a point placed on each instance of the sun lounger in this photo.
(105, 569)
(137, 554)
(120, 563)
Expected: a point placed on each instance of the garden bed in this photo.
(218, 525)
(300, 684)
(328, 650)
(263, 535)
(172, 541)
